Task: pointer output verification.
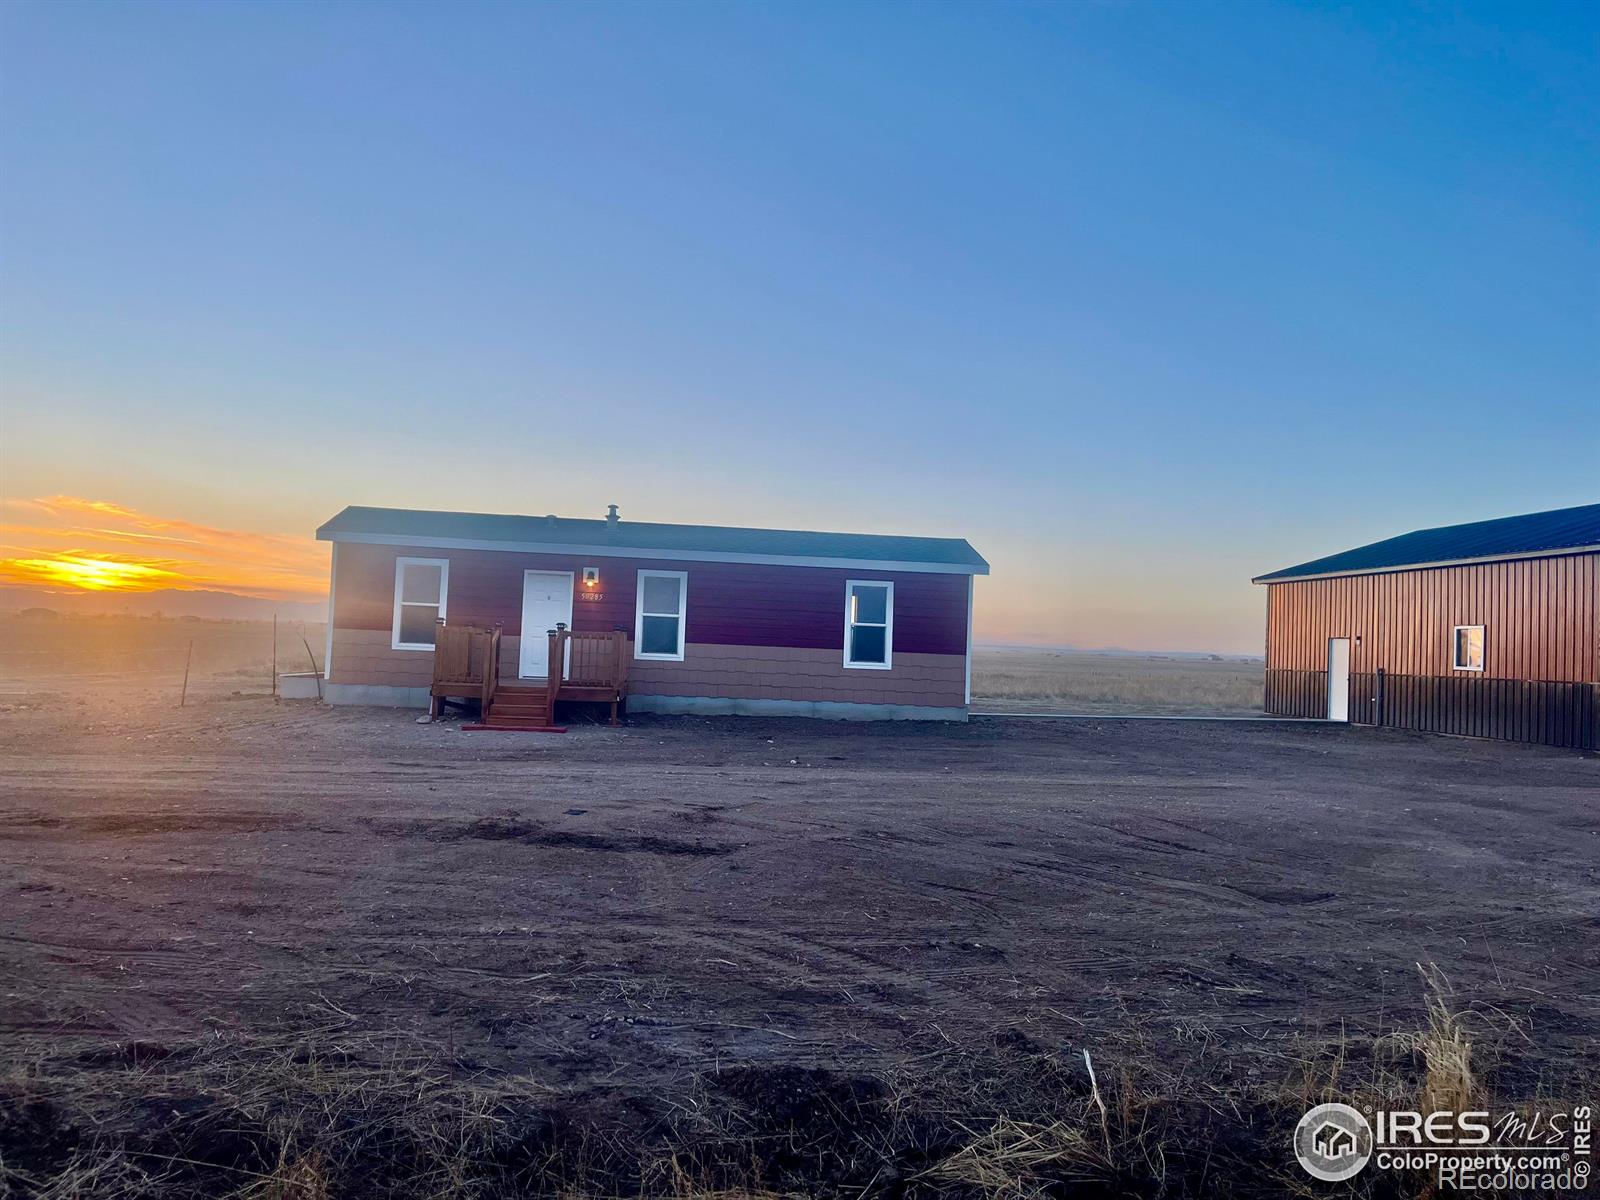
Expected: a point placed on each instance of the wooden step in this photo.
(514, 728)
(501, 725)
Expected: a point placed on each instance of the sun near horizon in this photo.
(64, 544)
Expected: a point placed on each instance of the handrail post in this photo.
(433, 685)
(553, 672)
(491, 671)
(619, 642)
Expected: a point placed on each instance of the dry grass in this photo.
(353, 1115)
(1067, 681)
(1448, 1081)
(1431, 1069)
(1022, 1158)
(1441, 1067)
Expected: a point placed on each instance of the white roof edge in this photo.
(773, 560)
(1425, 566)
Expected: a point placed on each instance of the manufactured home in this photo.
(1489, 629)
(663, 618)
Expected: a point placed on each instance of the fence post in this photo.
(183, 696)
(1378, 701)
(314, 670)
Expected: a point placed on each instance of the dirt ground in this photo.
(772, 955)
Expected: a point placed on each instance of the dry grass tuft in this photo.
(1448, 1084)
(1431, 1069)
(300, 1177)
(1023, 1159)
(672, 1180)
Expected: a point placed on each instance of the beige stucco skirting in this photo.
(364, 658)
(785, 673)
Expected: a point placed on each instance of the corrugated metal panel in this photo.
(1541, 620)
(1538, 615)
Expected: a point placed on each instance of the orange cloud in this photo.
(73, 543)
(82, 571)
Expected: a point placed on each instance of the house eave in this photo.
(592, 551)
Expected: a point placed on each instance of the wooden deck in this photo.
(466, 665)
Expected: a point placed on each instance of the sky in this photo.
(1141, 299)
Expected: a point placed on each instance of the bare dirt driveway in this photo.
(279, 946)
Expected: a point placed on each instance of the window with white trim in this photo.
(659, 615)
(420, 588)
(868, 623)
(1467, 647)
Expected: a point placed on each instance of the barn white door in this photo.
(546, 599)
(1338, 679)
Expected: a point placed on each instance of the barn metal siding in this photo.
(1541, 677)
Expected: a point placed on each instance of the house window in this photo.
(1467, 641)
(868, 624)
(420, 585)
(658, 619)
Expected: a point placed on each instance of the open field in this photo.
(1039, 680)
(236, 656)
(227, 656)
(286, 951)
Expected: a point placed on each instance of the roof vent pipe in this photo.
(611, 515)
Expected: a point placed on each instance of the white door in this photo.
(546, 599)
(1338, 679)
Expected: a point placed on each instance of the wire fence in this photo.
(77, 648)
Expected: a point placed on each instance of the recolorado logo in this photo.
(1463, 1151)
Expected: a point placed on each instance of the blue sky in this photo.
(1142, 299)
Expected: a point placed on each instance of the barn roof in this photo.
(648, 539)
(1533, 534)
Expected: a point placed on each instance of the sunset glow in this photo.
(69, 543)
(94, 574)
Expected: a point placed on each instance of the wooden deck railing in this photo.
(588, 666)
(466, 663)
(583, 666)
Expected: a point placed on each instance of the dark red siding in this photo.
(731, 604)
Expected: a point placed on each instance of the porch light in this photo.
(591, 577)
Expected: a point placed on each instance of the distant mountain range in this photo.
(169, 602)
(1117, 651)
